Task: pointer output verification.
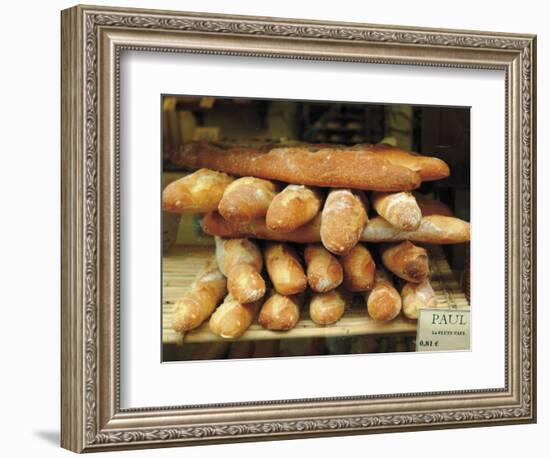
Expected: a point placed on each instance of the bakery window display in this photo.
(312, 248)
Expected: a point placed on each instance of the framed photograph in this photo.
(277, 228)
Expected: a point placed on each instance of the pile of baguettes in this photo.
(313, 222)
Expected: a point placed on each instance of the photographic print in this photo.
(308, 228)
(248, 197)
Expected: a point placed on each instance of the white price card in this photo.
(443, 329)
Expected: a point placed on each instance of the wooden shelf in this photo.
(181, 265)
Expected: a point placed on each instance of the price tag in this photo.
(443, 329)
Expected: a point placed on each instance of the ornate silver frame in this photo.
(92, 39)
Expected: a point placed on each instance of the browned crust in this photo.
(384, 301)
(433, 229)
(199, 192)
(407, 261)
(247, 198)
(428, 168)
(327, 166)
(324, 271)
(343, 219)
(359, 269)
(284, 269)
(327, 308)
(293, 207)
(280, 313)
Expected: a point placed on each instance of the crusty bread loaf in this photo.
(246, 198)
(428, 168)
(313, 165)
(245, 283)
(214, 224)
(383, 301)
(433, 229)
(240, 260)
(416, 296)
(284, 269)
(359, 269)
(199, 302)
(430, 206)
(327, 308)
(280, 313)
(324, 271)
(293, 207)
(399, 209)
(406, 260)
(343, 219)
(231, 319)
(199, 192)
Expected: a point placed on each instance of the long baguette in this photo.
(240, 260)
(199, 192)
(428, 168)
(293, 207)
(343, 219)
(246, 198)
(359, 269)
(324, 271)
(281, 313)
(327, 166)
(327, 308)
(284, 269)
(399, 208)
(197, 304)
(231, 319)
(383, 302)
(406, 260)
(433, 229)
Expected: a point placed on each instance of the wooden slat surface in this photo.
(182, 264)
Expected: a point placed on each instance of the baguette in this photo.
(400, 209)
(199, 192)
(231, 319)
(428, 168)
(359, 269)
(313, 165)
(383, 302)
(199, 302)
(416, 296)
(281, 313)
(324, 271)
(433, 229)
(240, 260)
(214, 224)
(284, 269)
(246, 199)
(406, 260)
(327, 308)
(343, 219)
(293, 207)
